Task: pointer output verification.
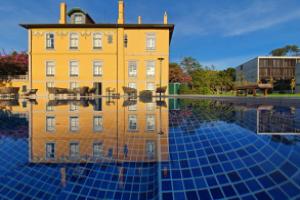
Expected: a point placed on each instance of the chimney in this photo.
(63, 13)
(121, 12)
(139, 20)
(166, 18)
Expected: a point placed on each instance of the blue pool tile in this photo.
(204, 194)
(228, 191)
(263, 195)
(216, 193)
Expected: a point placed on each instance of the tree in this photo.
(14, 64)
(291, 50)
(176, 74)
(190, 64)
(279, 52)
(293, 85)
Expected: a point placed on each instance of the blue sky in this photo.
(217, 32)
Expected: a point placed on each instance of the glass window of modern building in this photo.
(74, 124)
(98, 123)
(50, 123)
(50, 150)
(132, 122)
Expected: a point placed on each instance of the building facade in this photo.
(78, 52)
(268, 68)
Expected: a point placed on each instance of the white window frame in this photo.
(74, 107)
(132, 85)
(97, 68)
(74, 85)
(150, 151)
(131, 71)
(76, 153)
(97, 41)
(150, 125)
(132, 122)
(74, 125)
(78, 15)
(48, 68)
(150, 88)
(52, 152)
(49, 84)
(74, 73)
(50, 124)
(99, 150)
(150, 68)
(74, 41)
(150, 106)
(50, 42)
(98, 125)
(151, 41)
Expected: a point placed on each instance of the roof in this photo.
(126, 26)
(279, 57)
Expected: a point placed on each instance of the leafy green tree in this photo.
(190, 64)
(279, 52)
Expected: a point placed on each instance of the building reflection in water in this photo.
(98, 131)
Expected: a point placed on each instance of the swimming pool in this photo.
(170, 149)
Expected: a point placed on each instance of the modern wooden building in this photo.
(267, 69)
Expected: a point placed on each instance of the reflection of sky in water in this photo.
(208, 150)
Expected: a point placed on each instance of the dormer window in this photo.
(78, 16)
(78, 19)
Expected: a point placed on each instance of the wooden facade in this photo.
(277, 68)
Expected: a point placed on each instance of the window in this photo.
(150, 122)
(49, 41)
(97, 68)
(98, 123)
(97, 150)
(50, 68)
(74, 124)
(151, 41)
(49, 108)
(132, 85)
(50, 124)
(125, 40)
(74, 68)
(132, 122)
(74, 85)
(132, 69)
(50, 150)
(132, 107)
(78, 19)
(49, 85)
(150, 106)
(97, 41)
(74, 40)
(151, 86)
(110, 39)
(150, 71)
(150, 149)
(74, 107)
(74, 150)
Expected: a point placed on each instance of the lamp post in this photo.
(160, 75)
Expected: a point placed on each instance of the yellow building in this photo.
(62, 131)
(78, 52)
